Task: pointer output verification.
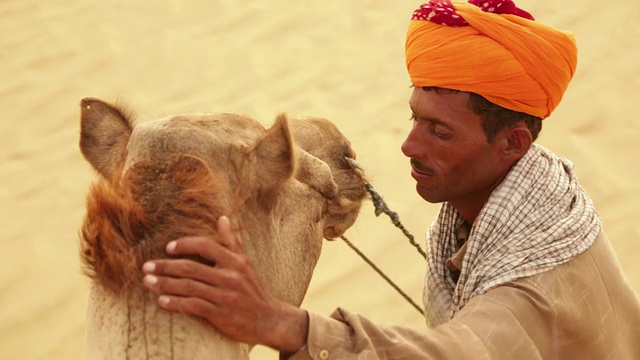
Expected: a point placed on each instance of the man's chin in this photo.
(428, 196)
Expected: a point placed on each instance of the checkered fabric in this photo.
(539, 217)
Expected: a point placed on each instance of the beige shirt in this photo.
(583, 309)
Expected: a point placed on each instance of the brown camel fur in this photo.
(285, 189)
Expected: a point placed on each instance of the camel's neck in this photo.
(134, 327)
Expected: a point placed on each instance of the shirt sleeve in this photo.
(506, 323)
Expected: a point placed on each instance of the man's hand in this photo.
(228, 295)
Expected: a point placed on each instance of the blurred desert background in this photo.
(343, 60)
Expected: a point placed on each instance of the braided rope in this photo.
(380, 208)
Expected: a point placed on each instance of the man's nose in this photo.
(411, 145)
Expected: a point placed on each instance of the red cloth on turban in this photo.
(507, 58)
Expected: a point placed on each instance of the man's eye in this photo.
(440, 135)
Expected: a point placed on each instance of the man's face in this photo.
(451, 159)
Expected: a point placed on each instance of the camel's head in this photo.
(322, 140)
(285, 188)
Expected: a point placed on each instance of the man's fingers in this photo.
(208, 248)
(179, 268)
(179, 287)
(188, 305)
(193, 245)
(227, 237)
(188, 277)
(204, 247)
(191, 297)
(191, 288)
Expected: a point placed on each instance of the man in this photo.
(519, 267)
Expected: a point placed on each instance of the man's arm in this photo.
(509, 322)
(500, 324)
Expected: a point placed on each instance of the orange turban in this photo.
(492, 49)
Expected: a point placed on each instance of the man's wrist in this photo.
(290, 333)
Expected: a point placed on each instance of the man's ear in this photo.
(518, 140)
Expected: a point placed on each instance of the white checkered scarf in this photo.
(539, 217)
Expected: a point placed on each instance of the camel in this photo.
(285, 188)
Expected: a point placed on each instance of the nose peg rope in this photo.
(380, 208)
(382, 274)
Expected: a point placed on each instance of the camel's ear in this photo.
(275, 161)
(316, 173)
(104, 134)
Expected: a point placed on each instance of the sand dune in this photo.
(342, 60)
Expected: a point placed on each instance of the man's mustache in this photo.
(421, 167)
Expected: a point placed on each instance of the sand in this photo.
(342, 60)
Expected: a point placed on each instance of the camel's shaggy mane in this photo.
(130, 220)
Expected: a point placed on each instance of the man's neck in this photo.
(470, 206)
(470, 209)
